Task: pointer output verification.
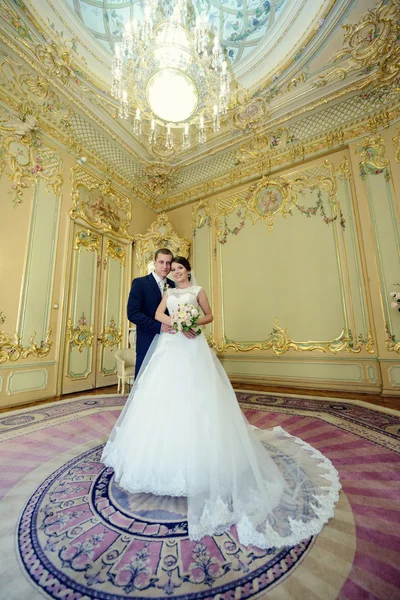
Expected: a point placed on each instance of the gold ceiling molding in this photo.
(26, 158)
(159, 235)
(371, 45)
(12, 348)
(262, 144)
(160, 176)
(280, 342)
(248, 111)
(44, 71)
(96, 202)
(269, 161)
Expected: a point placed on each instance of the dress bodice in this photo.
(177, 296)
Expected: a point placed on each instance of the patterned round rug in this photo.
(91, 537)
(68, 531)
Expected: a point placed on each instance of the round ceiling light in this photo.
(172, 95)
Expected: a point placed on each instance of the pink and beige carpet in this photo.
(67, 531)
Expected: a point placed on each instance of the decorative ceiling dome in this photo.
(239, 24)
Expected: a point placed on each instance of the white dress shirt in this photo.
(160, 282)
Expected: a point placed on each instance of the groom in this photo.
(144, 298)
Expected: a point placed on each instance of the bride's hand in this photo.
(167, 328)
(189, 334)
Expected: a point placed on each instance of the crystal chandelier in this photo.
(170, 74)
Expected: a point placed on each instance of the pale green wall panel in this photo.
(113, 291)
(36, 299)
(357, 289)
(84, 286)
(27, 381)
(84, 290)
(202, 264)
(1, 383)
(108, 362)
(394, 374)
(202, 258)
(371, 372)
(291, 273)
(295, 370)
(79, 362)
(386, 237)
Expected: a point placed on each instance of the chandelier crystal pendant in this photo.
(170, 75)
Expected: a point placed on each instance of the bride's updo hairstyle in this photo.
(181, 260)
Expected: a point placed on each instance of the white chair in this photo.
(126, 359)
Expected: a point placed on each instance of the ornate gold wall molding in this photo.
(80, 336)
(373, 160)
(96, 202)
(270, 197)
(12, 348)
(201, 215)
(159, 235)
(390, 343)
(116, 251)
(85, 238)
(111, 336)
(280, 342)
(396, 143)
(371, 45)
(26, 158)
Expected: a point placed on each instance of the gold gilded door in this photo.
(96, 310)
(80, 350)
(112, 309)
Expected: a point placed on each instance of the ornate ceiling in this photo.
(303, 84)
(241, 24)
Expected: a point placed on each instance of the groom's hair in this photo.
(163, 251)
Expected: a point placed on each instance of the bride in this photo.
(182, 433)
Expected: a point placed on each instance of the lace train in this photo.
(182, 434)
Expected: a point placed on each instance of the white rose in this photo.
(393, 294)
(195, 312)
(398, 295)
(394, 305)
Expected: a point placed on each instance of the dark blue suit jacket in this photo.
(144, 298)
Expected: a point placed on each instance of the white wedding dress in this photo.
(182, 433)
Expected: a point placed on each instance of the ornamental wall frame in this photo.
(280, 341)
(159, 235)
(378, 160)
(83, 178)
(27, 158)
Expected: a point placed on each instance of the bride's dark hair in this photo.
(181, 260)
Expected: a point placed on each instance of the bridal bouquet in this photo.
(185, 317)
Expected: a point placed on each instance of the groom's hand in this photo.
(167, 329)
(189, 334)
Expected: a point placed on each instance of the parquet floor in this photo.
(392, 402)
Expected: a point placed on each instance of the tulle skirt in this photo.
(182, 433)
